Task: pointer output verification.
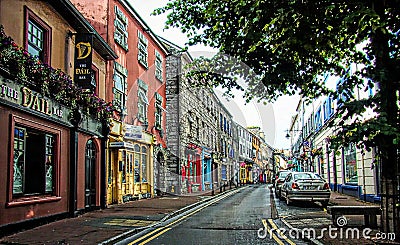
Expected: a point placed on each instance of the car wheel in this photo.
(288, 201)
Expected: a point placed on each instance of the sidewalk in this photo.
(101, 225)
(322, 220)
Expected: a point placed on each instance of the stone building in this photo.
(199, 132)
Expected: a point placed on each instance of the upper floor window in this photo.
(142, 49)
(317, 121)
(159, 69)
(121, 28)
(38, 37)
(328, 110)
(120, 84)
(142, 101)
(158, 111)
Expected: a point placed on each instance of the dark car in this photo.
(279, 179)
(305, 186)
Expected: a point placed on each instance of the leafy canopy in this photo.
(283, 47)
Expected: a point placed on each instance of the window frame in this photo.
(30, 199)
(158, 66)
(158, 111)
(121, 28)
(122, 72)
(47, 38)
(143, 52)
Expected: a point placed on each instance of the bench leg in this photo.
(370, 220)
(334, 220)
(366, 220)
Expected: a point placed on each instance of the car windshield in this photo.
(301, 176)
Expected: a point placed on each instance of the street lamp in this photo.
(301, 137)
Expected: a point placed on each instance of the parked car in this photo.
(280, 177)
(305, 186)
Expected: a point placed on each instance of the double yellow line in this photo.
(281, 238)
(161, 230)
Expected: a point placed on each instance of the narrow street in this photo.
(240, 218)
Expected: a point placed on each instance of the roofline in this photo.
(136, 15)
(66, 9)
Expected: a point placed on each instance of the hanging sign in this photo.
(83, 61)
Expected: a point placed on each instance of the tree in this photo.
(286, 46)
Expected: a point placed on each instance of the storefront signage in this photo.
(83, 61)
(121, 145)
(133, 132)
(40, 104)
(9, 92)
(25, 97)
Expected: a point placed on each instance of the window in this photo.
(34, 162)
(119, 90)
(38, 37)
(95, 79)
(144, 164)
(159, 66)
(158, 111)
(142, 49)
(223, 172)
(318, 122)
(328, 110)
(142, 101)
(121, 28)
(351, 176)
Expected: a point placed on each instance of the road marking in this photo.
(156, 235)
(280, 233)
(166, 228)
(271, 233)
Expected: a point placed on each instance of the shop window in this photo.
(38, 37)
(140, 164)
(223, 172)
(121, 28)
(144, 164)
(34, 162)
(142, 49)
(159, 66)
(350, 164)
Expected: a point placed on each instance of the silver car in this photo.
(305, 186)
(279, 179)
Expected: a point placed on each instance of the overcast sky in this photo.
(273, 119)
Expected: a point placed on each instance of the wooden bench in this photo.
(369, 212)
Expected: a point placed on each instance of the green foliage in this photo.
(283, 48)
(50, 82)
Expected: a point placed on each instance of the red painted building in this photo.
(136, 146)
(52, 133)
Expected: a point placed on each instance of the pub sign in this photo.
(83, 74)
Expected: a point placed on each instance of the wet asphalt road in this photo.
(240, 218)
(233, 220)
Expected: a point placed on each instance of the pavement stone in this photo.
(342, 235)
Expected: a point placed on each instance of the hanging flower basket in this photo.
(54, 83)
